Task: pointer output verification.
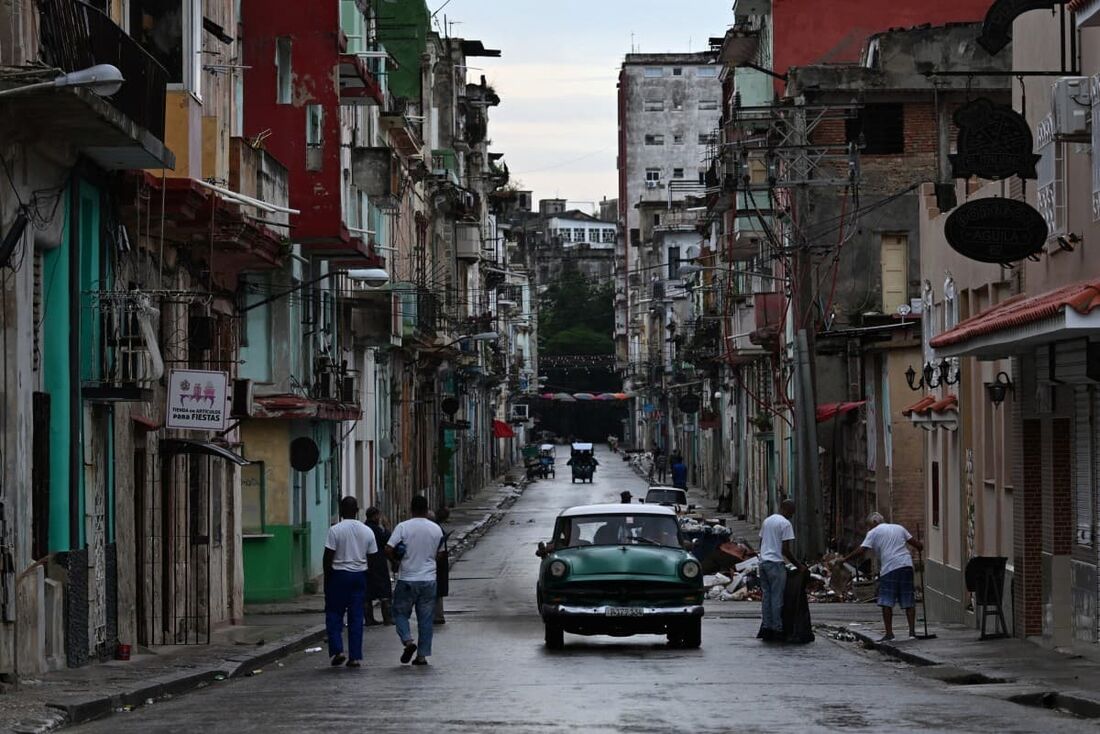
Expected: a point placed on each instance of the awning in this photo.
(188, 446)
(502, 430)
(931, 412)
(827, 411)
(1023, 322)
(920, 407)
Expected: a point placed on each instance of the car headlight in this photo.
(690, 569)
(558, 569)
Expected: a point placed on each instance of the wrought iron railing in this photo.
(76, 36)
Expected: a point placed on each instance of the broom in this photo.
(923, 595)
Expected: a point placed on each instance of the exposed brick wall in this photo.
(1028, 527)
(1059, 520)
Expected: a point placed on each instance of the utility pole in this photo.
(807, 489)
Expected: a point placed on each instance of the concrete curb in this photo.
(1036, 693)
(80, 711)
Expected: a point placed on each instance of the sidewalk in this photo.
(268, 633)
(1010, 669)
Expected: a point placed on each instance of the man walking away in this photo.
(895, 573)
(415, 543)
(347, 547)
(660, 465)
(379, 586)
(679, 472)
(776, 539)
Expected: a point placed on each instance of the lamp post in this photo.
(103, 79)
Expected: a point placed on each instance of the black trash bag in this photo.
(797, 627)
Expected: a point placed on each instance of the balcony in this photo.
(358, 83)
(748, 237)
(126, 364)
(445, 165)
(377, 173)
(124, 131)
(257, 173)
(405, 135)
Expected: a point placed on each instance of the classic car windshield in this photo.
(666, 496)
(625, 529)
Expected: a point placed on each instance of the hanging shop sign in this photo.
(994, 142)
(197, 400)
(997, 28)
(996, 230)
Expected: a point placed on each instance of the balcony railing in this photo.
(76, 36)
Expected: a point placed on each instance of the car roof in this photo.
(665, 488)
(617, 509)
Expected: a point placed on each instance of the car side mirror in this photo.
(542, 551)
(642, 500)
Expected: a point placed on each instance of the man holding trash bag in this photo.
(895, 574)
(776, 548)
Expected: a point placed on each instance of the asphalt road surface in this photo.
(491, 673)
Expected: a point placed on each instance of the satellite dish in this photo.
(304, 454)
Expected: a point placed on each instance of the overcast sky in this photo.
(556, 124)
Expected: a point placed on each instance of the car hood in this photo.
(627, 560)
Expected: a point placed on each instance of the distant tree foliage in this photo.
(577, 316)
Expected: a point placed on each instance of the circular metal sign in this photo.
(304, 454)
(996, 230)
(690, 403)
(450, 406)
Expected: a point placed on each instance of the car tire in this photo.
(691, 634)
(555, 636)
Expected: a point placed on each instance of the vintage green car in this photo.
(619, 570)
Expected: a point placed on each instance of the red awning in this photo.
(920, 407)
(1022, 311)
(827, 411)
(502, 430)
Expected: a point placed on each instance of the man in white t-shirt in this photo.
(417, 544)
(776, 548)
(895, 573)
(347, 546)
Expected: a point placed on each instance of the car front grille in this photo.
(623, 590)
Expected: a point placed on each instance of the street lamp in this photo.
(103, 79)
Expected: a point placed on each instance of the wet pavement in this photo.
(491, 673)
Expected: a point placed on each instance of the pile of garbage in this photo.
(731, 568)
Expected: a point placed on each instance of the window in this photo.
(353, 26)
(171, 31)
(654, 105)
(656, 220)
(253, 499)
(578, 235)
(654, 71)
(655, 139)
(566, 235)
(707, 72)
(878, 129)
(674, 263)
(653, 174)
(677, 71)
(708, 104)
(282, 70)
(677, 173)
(703, 176)
(935, 494)
(707, 138)
(678, 139)
(314, 125)
(677, 105)
(895, 272)
(609, 236)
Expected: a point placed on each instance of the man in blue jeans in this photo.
(347, 546)
(776, 539)
(416, 543)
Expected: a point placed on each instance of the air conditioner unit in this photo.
(519, 412)
(651, 184)
(241, 405)
(1071, 106)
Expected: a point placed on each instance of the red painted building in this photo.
(300, 67)
(812, 32)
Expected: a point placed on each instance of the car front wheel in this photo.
(689, 635)
(555, 636)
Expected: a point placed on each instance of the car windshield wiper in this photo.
(644, 539)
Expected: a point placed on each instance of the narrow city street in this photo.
(490, 671)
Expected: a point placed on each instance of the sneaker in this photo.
(354, 664)
(338, 659)
(420, 661)
(410, 650)
(885, 638)
(913, 636)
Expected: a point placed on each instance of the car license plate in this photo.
(624, 612)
